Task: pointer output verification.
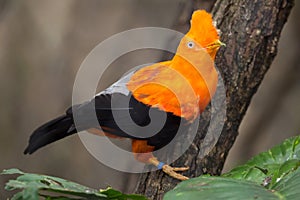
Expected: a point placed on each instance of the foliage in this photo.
(34, 186)
(270, 175)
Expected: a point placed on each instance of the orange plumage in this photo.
(184, 85)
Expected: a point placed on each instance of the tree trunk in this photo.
(251, 30)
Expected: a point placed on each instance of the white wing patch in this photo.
(119, 86)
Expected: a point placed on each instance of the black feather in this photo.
(107, 116)
(49, 132)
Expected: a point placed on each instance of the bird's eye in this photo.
(190, 44)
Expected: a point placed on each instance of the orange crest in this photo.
(202, 29)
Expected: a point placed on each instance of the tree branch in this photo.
(251, 30)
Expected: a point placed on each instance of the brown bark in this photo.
(251, 30)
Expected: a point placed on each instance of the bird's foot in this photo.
(171, 171)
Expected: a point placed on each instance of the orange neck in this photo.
(201, 73)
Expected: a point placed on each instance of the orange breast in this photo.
(180, 90)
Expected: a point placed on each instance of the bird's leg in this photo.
(143, 153)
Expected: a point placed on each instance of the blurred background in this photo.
(43, 43)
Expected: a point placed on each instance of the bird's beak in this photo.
(216, 44)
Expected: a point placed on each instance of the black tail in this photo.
(51, 131)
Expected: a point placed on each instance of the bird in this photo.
(181, 88)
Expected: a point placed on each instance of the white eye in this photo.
(190, 44)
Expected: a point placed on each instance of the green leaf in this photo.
(207, 188)
(114, 194)
(288, 187)
(17, 196)
(34, 186)
(12, 171)
(270, 165)
(219, 188)
(274, 174)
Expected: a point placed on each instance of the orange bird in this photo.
(181, 88)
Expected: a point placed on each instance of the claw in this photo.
(180, 169)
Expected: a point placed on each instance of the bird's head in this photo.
(203, 33)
